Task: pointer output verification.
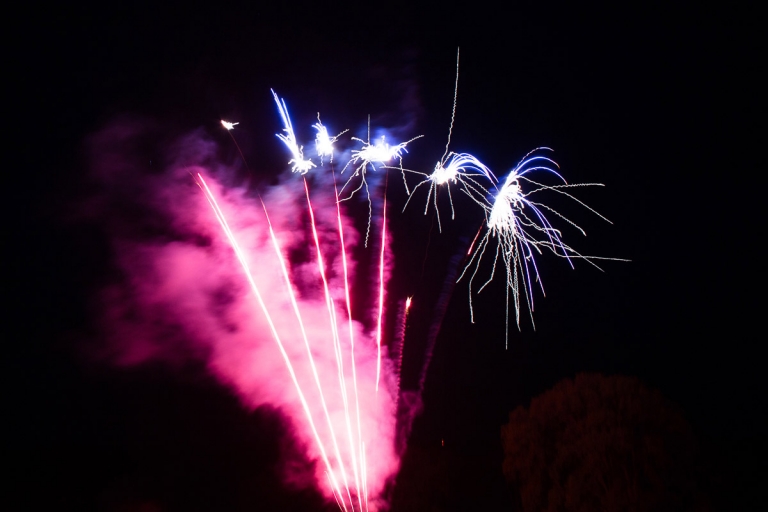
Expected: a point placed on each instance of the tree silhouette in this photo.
(601, 443)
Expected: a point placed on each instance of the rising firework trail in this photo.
(461, 169)
(381, 291)
(351, 495)
(229, 127)
(337, 351)
(336, 385)
(348, 302)
(289, 365)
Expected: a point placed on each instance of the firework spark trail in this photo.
(400, 343)
(323, 141)
(229, 127)
(249, 276)
(515, 231)
(299, 163)
(351, 338)
(381, 291)
(368, 155)
(454, 169)
(337, 347)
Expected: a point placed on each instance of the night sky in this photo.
(660, 104)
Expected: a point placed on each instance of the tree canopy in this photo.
(601, 443)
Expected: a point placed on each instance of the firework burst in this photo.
(518, 230)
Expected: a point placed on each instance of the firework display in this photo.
(338, 405)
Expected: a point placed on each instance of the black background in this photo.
(658, 102)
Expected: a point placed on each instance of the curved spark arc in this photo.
(454, 168)
(299, 163)
(351, 339)
(229, 127)
(514, 230)
(337, 345)
(249, 277)
(403, 320)
(295, 305)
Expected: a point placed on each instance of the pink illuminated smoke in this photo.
(184, 294)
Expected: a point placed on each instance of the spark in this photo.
(229, 127)
(368, 155)
(453, 168)
(515, 229)
(337, 350)
(381, 292)
(403, 321)
(520, 231)
(346, 499)
(289, 139)
(295, 305)
(323, 142)
(351, 341)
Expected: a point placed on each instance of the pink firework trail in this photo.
(381, 292)
(337, 349)
(249, 276)
(350, 489)
(348, 303)
(310, 357)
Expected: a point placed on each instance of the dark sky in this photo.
(659, 103)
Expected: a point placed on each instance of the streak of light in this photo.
(337, 347)
(381, 292)
(368, 155)
(249, 277)
(295, 305)
(289, 139)
(521, 231)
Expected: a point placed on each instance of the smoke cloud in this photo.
(180, 292)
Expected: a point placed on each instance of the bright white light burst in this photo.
(289, 139)
(228, 125)
(368, 155)
(323, 142)
(521, 230)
